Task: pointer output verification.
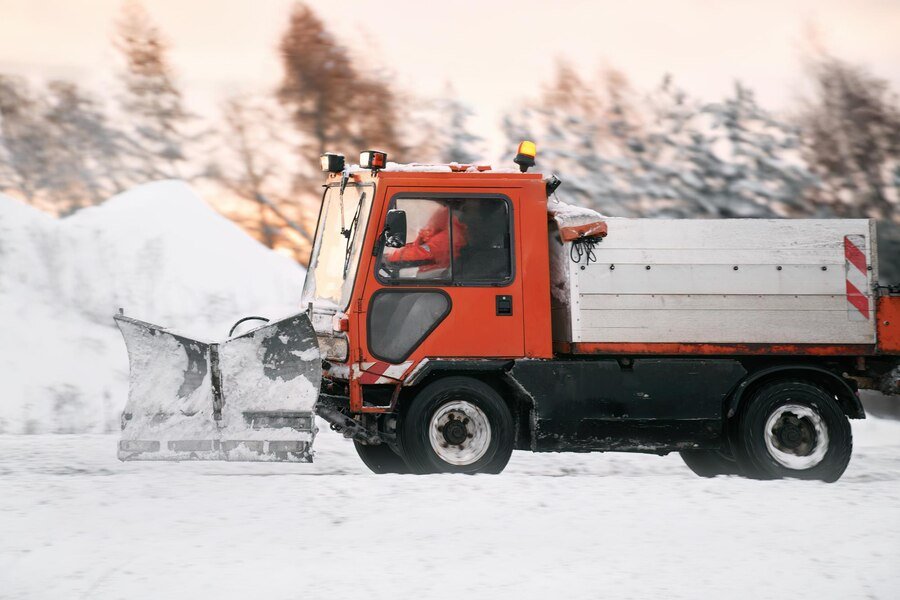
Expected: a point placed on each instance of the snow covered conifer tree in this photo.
(761, 172)
(440, 133)
(462, 144)
(25, 140)
(562, 122)
(667, 154)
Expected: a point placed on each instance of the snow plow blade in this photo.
(249, 398)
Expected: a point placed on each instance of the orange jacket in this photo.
(431, 248)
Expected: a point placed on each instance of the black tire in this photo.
(381, 459)
(439, 398)
(709, 463)
(799, 415)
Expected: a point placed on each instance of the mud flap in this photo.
(249, 398)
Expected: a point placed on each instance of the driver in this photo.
(430, 251)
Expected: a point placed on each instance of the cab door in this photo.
(453, 289)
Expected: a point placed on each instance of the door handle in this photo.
(504, 306)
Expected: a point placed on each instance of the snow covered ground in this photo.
(76, 523)
(157, 250)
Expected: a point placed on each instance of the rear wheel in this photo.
(457, 425)
(381, 459)
(794, 429)
(709, 463)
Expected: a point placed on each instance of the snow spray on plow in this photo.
(249, 398)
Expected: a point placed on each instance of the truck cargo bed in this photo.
(731, 281)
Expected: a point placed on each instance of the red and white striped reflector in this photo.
(381, 372)
(857, 278)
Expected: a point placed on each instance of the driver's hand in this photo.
(425, 234)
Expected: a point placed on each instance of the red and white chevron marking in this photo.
(857, 277)
(381, 372)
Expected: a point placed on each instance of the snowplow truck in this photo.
(454, 313)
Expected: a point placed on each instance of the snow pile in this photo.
(158, 251)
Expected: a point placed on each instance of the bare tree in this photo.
(57, 146)
(318, 78)
(152, 103)
(334, 105)
(254, 167)
(88, 161)
(249, 181)
(254, 161)
(852, 124)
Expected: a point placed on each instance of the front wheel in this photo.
(710, 463)
(380, 458)
(457, 425)
(794, 429)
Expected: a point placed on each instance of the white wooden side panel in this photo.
(779, 237)
(692, 292)
(751, 303)
(723, 326)
(755, 279)
(690, 256)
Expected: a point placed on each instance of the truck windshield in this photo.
(336, 250)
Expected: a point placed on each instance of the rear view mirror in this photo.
(395, 229)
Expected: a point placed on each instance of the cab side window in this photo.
(454, 241)
(426, 255)
(486, 255)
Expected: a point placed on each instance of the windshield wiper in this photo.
(352, 228)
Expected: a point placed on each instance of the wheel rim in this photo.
(460, 433)
(796, 437)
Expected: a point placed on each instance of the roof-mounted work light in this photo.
(525, 155)
(331, 162)
(373, 159)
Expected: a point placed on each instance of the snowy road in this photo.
(76, 523)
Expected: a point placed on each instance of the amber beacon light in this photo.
(525, 155)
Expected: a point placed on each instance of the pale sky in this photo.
(493, 52)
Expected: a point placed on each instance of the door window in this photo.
(457, 241)
(399, 320)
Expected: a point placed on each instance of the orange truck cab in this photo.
(429, 288)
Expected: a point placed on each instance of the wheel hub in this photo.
(459, 432)
(455, 431)
(796, 436)
(791, 433)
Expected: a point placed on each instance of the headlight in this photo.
(334, 348)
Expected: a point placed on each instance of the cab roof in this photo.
(453, 170)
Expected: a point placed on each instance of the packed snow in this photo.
(570, 216)
(159, 252)
(77, 523)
